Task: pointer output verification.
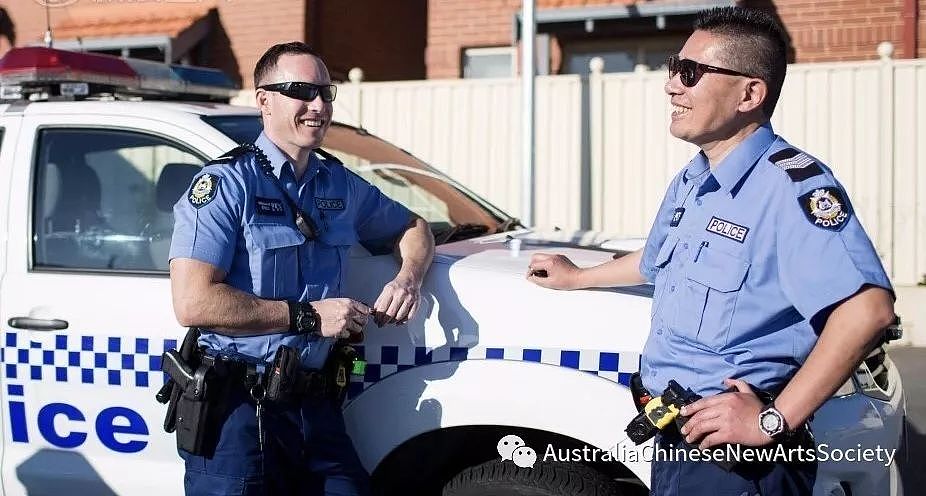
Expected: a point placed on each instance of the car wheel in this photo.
(500, 478)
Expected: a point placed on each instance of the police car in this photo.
(95, 150)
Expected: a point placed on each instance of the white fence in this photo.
(604, 155)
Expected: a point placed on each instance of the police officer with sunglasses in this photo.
(768, 291)
(258, 257)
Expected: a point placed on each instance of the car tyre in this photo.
(501, 478)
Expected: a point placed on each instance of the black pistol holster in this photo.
(191, 401)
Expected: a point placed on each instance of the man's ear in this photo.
(263, 104)
(754, 94)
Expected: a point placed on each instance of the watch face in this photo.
(770, 422)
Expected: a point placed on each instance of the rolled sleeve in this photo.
(659, 231)
(209, 232)
(817, 266)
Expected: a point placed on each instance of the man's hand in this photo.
(725, 418)
(398, 301)
(561, 273)
(341, 317)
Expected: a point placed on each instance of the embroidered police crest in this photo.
(826, 208)
(203, 190)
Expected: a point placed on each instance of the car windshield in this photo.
(453, 212)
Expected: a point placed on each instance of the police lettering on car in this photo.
(258, 256)
(768, 292)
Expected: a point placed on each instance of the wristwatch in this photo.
(773, 423)
(303, 319)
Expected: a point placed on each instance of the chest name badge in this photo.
(329, 203)
(677, 217)
(826, 208)
(268, 206)
(203, 190)
(727, 229)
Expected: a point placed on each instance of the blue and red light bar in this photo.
(39, 66)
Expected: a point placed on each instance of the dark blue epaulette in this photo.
(798, 165)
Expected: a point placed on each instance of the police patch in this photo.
(826, 208)
(727, 229)
(268, 206)
(203, 190)
(798, 165)
(329, 203)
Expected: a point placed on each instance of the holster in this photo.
(195, 398)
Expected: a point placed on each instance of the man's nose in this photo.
(674, 85)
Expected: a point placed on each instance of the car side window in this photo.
(103, 198)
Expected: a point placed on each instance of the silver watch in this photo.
(772, 422)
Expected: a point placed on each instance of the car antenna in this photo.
(48, 38)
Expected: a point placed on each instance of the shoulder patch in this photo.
(203, 190)
(826, 208)
(798, 165)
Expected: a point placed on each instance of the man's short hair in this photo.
(756, 45)
(268, 61)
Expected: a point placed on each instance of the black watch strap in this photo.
(303, 318)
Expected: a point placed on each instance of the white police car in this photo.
(88, 184)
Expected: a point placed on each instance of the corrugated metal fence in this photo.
(605, 156)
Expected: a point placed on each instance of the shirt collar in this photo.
(278, 160)
(698, 166)
(732, 170)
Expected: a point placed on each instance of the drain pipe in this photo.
(911, 19)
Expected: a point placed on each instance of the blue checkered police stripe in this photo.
(383, 361)
(107, 360)
(134, 361)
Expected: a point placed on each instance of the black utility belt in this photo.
(278, 382)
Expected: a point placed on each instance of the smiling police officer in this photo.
(763, 274)
(258, 258)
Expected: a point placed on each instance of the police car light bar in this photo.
(36, 70)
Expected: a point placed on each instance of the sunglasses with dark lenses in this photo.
(303, 91)
(690, 72)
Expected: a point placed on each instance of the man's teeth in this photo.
(677, 110)
(311, 122)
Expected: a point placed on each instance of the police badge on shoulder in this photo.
(826, 208)
(203, 190)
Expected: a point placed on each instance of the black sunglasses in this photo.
(690, 71)
(303, 91)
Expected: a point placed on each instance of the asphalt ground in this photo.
(911, 362)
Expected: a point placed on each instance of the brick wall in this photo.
(246, 28)
(838, 30)
(921, 37)
(821, 30)
(387, 41)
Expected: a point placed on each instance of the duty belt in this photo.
(304, 383)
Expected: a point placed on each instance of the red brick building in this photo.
(386, 39)
(476, 37)
(413, 39)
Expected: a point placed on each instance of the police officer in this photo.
(763, 274)
(258, 257)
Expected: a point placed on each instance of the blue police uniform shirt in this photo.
(235, 218)
(746, 261)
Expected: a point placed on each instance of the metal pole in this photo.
(528, 29)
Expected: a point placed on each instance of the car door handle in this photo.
(37, 324)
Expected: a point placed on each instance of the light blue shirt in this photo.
(235, 218)
(747, 262)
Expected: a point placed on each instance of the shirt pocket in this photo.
(334, 245)
(274, 259)
(711, 287)
(660, 281)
